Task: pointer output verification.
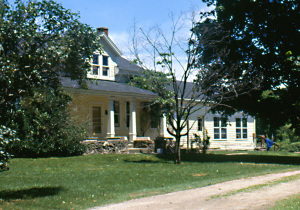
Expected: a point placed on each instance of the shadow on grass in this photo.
(31, 193)
(267, 159)
(145, 161)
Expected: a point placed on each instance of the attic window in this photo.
(100, 62)
(96, 65)
(105, 67)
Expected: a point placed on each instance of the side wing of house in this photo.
(234, 133)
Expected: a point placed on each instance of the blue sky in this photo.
(119, 15)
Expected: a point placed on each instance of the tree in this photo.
(157, 82)
(214, 81)
(39, 43)
(264, 36)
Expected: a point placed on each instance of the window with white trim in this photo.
(100, 65)
(95, 64)
(241, 128)
(220, 128)
(105, 67)
(200, 124)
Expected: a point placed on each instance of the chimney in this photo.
(103, 29)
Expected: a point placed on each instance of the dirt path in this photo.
(213, 197)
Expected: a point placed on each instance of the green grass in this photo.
(94, 180)
(290, 203)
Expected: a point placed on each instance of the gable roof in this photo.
(103, 87)
(113, 46)
(126, 65)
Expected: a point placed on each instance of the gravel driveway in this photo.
(220, 196)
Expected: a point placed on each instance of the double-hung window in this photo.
(95, 64)
(100, 65)
(200, 124)
(105, 67)
(220, 128)
(241, 128)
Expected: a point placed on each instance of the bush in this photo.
(45, 127)
(290, 147)
(287, 139)
(7, 136)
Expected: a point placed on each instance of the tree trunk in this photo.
(177, 159)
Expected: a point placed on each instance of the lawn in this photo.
(95, 180)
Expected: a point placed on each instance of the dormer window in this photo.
(100, 62)
(96, 65)
(105, 67)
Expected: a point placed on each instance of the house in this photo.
(233, 133)
(114, 108)
(109, 105)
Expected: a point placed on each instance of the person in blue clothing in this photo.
(269, 142)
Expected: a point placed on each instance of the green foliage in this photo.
(264, 39)
(289, 147)
(7, 136)
(45, 127)
(285, 133)
(157, 82)
(287, 139)
(40, 41)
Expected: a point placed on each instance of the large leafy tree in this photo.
(39, 43)
(264, 38)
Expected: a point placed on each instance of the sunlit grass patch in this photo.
(95, 180)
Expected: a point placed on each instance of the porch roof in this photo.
(112, 88)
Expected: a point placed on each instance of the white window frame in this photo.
(200, 123)
(99, 64)
(220, 125)
(241, 124)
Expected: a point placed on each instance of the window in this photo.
(97, 65)
(117, 113)
(96, 119)
(105, 68)
(220, 128)
(241, 128)
(200, 123)
(127, 114)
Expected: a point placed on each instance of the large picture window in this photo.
(220, 128)
(241, 128)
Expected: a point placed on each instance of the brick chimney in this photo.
(103, 29)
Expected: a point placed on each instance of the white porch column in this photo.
(132, 126)
(163, 126)
(111, 118)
